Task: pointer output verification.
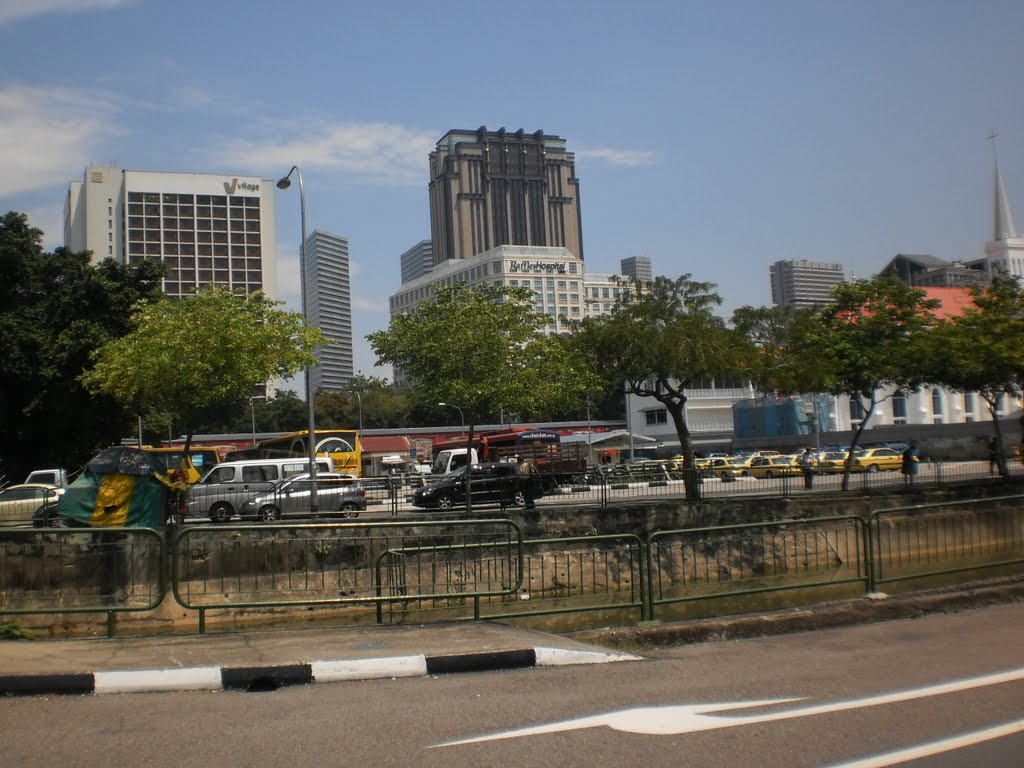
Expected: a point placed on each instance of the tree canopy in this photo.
(202, 355)
(55, 310)
(483, 351)
(659, 343)
(982, 349)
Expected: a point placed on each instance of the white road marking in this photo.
(936, 747)
(691, 718)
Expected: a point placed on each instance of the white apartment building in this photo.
(208, 228)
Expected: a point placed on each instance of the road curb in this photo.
(863, 610)
(273, 676)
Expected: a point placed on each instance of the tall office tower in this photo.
(1005, 252)
(329, 306)
(493, 188)
(804, 283)
(207, 228)
(638, 268)
(417, 261)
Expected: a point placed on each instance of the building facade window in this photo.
(659, 416)
(899, 407)
(936, 406)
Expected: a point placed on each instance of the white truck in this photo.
(56, 477)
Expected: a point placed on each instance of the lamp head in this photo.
(284, 182)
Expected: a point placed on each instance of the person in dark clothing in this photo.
(909, 465)
(994, 455)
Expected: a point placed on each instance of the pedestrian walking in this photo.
(994, 456)
(526, 472)
(909, 464)
(807, 462)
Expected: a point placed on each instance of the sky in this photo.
(714, 137)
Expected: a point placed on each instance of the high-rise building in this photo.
(207, 228)
(329, 307)
(494, 188)
(804, 283)
(417, 261)
(638, 268)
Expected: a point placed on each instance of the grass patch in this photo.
(11, 631)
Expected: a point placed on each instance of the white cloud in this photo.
(630, 158)
(50, 219)
(370, 152)
(18, 10)
(46, 131)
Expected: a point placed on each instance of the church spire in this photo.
(1004, 228)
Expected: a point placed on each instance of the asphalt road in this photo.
(859, 696)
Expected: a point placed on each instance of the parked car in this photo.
(19, 504)
(723, 469)
(336, 494)
(222, 491)
(767, 467)
(876, 459)
(832, 462)
(491, 482)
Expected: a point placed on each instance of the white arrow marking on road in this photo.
(691, 718)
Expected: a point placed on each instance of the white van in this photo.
(221, 492)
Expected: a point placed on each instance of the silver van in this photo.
(221, 492)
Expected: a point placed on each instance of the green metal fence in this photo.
(698, 564)
(928, 540)
(62, 571)
(259, 566)
(481, 569)
(576, 574)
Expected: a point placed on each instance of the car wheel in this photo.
(268, 514)
(350, 509)
(221, 513)
(444, 501)
(724, 476)
(56, 521)
(519, 499)
(873, 468)
(769, 475)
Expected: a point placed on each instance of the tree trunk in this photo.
(691, 480)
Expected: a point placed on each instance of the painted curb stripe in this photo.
(138, 681)
(552, 657)
(369, 669)
(480, 662)
(235, 678)
(31, 685)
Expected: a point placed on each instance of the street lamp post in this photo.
(283, 183)
(252, 406)
(462, 419)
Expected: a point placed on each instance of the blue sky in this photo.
(713, 137)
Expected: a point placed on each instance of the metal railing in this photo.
(333, 564)
(480, 569)
(927, 540)
(68, 570)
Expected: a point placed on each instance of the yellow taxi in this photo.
(877, 459)
(767, 467)
(832, 463)
(724, 469)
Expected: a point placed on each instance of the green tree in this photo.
(483, 351)
(370, 401)
(55, 310)
(982, 349)
(778, 365)
(661, 342)
(874, 336)
(202, 355)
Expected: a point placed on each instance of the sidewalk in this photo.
(267, 659)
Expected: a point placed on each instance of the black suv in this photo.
(491, 482)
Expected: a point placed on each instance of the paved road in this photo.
(853, 693)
